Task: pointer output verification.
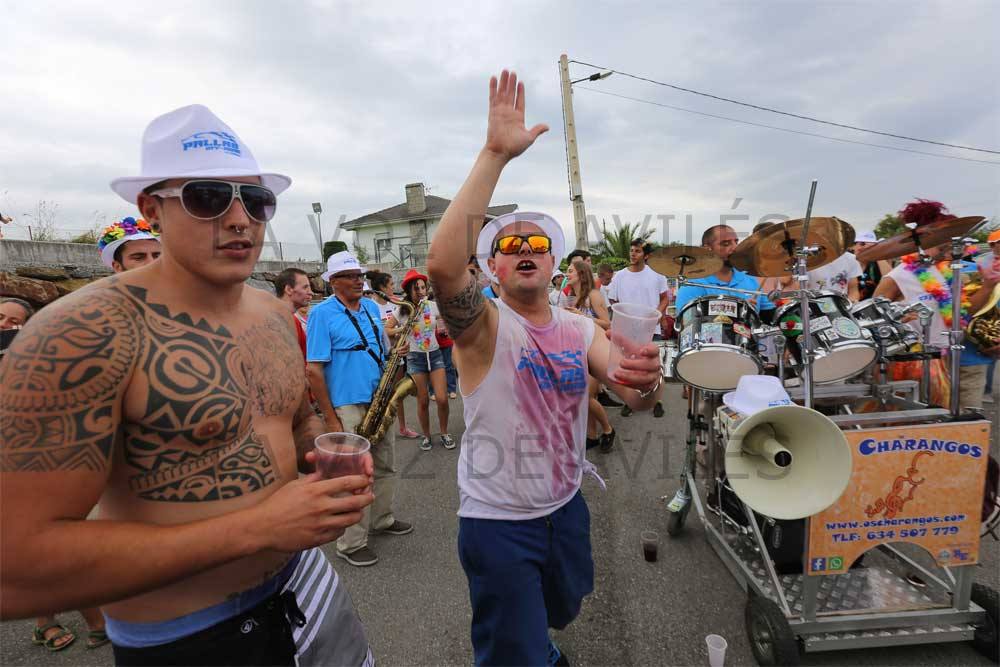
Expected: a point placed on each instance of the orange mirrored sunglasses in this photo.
(511, 244)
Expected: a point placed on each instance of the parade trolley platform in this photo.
(846, 529)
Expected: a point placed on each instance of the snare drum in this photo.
(716, 346)
(841, 347)
(881, 319)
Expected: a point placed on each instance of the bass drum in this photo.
(716, 345)
(841, 347)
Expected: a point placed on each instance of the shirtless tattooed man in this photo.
(175, 396)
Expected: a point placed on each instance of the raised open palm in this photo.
(506, 134)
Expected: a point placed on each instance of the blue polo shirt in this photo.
(351, 374)
(693, 290)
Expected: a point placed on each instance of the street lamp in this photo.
(572, 156)
(318, 209)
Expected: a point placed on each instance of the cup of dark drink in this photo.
(340, 454)
(650, 542)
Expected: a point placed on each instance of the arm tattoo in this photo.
(60, 405)
(460, 311)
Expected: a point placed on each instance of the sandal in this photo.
(38, 637)
(97, 638)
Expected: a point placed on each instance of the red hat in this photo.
(994, 236)
(412, 275)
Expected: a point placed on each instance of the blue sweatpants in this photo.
(525, 577)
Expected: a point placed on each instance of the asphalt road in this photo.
(414, 602)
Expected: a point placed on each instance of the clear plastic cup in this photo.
(340, 454)
(717, 646)
(632, 326)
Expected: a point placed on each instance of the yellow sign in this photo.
(917, 484)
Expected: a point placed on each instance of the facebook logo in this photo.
(818, 564)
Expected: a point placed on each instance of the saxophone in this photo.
(984, 328)
(382, 409)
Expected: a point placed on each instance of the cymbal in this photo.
(930, 235)
(764, 253)
(696, 262)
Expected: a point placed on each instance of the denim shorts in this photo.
(424, 362)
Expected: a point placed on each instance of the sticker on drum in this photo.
(741, 329)
(722, 308)
(828, 306)
(820, 323)
(830, 335)
(686, 336)
(846, 327)
(723, 319)
(711, 333)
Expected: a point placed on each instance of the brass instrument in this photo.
(382, 409)
(984, 329)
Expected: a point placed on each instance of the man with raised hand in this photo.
(175, 396)
(524, 535)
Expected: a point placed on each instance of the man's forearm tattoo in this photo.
(189, 438)
(461, 310)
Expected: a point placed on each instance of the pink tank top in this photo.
(523, 449)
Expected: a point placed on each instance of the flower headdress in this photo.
(126, 229)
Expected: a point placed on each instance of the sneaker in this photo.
(425, 444)
(397, 528)
(604, 398)
(452, 394)
(626, 411)
(608, 441)
(658, 410)
(556, 657)
(447, 441)
(363, 557)
(408, 433)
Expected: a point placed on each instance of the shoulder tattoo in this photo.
(60, 404)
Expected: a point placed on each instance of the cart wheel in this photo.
(675, 521)
(771, 638)
(987, 637)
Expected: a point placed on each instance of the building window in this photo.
(383, 248)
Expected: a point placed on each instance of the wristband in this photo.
(646, 394)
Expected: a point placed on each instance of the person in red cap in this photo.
(989, 263)
(425, 361)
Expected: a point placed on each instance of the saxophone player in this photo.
(345, 354)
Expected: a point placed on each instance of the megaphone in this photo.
(786, 462)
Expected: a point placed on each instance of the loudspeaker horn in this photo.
(788, 462)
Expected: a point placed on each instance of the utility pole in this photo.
(572, 157)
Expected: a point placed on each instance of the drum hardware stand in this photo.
(956, 334)
(801, 255)
(779, 351)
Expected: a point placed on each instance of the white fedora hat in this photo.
(865, 237)
(755, 393)
(192, 142)
(548, 224)
(339, 262)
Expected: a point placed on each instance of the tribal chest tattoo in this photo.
(200, 387)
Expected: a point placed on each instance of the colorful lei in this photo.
(124, 227)
(940, 292)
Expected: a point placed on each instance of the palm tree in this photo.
(616, 243)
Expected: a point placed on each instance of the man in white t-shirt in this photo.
(640, 284)
(524, 526)
(840, 276)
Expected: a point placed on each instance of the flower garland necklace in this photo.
(940, 292)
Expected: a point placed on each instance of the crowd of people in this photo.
(183, 407)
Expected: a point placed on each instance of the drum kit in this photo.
(755, 480)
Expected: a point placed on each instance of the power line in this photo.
(784, 129)
(785, 113)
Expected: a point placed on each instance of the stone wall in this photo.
(41, 271)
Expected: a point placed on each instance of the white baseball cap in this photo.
(865, 237)
(192, 142)
(340, 262)
(489, 232)
(755, 393)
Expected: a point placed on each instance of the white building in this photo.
(396, 238)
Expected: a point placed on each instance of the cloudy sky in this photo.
(355, 99)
